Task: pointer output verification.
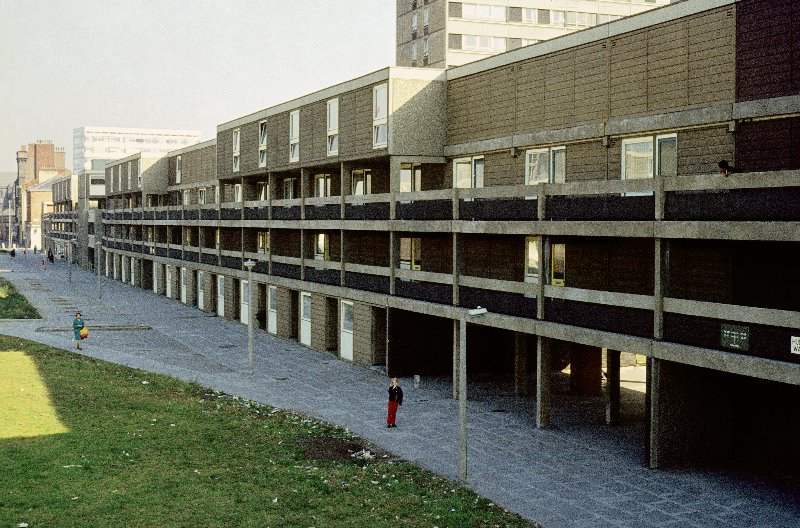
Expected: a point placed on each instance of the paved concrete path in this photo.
(578, 474)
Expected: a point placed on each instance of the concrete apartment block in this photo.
(569, 187)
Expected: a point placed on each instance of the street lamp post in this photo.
(97, 269)
(73, 246)
(249, 265)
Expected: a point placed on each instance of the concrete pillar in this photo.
(586, 376)
(191, 287)
(394, 185)
(522, 377)
(612, 386)
(543, 374)
(456, 352)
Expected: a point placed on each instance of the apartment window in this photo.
(333, 127)
(468, 173)
(321, 247)
(575, 19)
(532, 259)
(118, 175)
(217, 237)
(380, 114)
(410, 177)
(288, 188)
(558, 265)
(322, 185)
(347, 317)
(545, 165)
(426, 18)
(667, 155)
(262, 189)
(362, 182)
(414, 20)
(543, 16)
(237, 192)
(186, 197)
(426, 50)
(411, 253)
(262, 144)
(483, 43)
(558, 18)
(201, 196)
(217, 195)
(294, 135)
(414, 51)
(138, 177)
(237, 143)
(263, 242)
(483, 12)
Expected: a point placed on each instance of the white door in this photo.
(108, 264)
(133, 271)
(155, 276)
(168, 280)
(201, 284)
(244, 302)
(220, 296)
(184, 285)
(272, 310)
(124, 273)
(305, 318)
(346, 330)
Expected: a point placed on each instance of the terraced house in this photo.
(569, 187)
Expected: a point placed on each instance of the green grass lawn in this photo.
(147, 450)
(13, 305)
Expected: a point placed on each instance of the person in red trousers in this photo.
(395, 399)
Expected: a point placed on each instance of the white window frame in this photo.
(532, 276)
(382, 122)
(415, 251)
(201, 196)
(263, 191)
(324, 240)
(642, 140)
(322, 185)
(414, 51)
(476, 182)
(288, 183)
(333, 126)
(294, 136)
(237, 144)
(365, 175)
(551, 153)
(657, 152)
(262, 144)
(185, 197)
(345, 306)
(237, 192)
(262, 242)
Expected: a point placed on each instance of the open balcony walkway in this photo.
(580, 473)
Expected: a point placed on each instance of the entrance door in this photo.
(124, 273)
(220, 296)
(108, 264)
(272, 310)
(201, 284)
(133, 271)
(305, 318)
(168, 280)
(346, 330)
(155, 276)
(244, 302)
(184, 285)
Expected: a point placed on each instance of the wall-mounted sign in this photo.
(795, 348)
(734, 337)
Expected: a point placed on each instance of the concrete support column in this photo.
(654, 386)
(394, 259)
(271, 194)
(456, 352)
(304, 175)
(458, 252)
(522, 377)
(586, 375)
(661, 269)
(612, 386)
(394, 185)
(543, 374)
(191, 287)
(462, 400)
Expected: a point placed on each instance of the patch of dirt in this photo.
(341, 450)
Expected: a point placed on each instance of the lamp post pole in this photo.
(97, 269)
(249, 265)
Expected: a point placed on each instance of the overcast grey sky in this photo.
(173, 63)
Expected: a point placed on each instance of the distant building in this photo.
(440, 34)
(107, 143)
(36, 163)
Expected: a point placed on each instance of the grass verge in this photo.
(148, 450)
(14, 305)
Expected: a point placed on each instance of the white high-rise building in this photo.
(441, 33)
(108, 143)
